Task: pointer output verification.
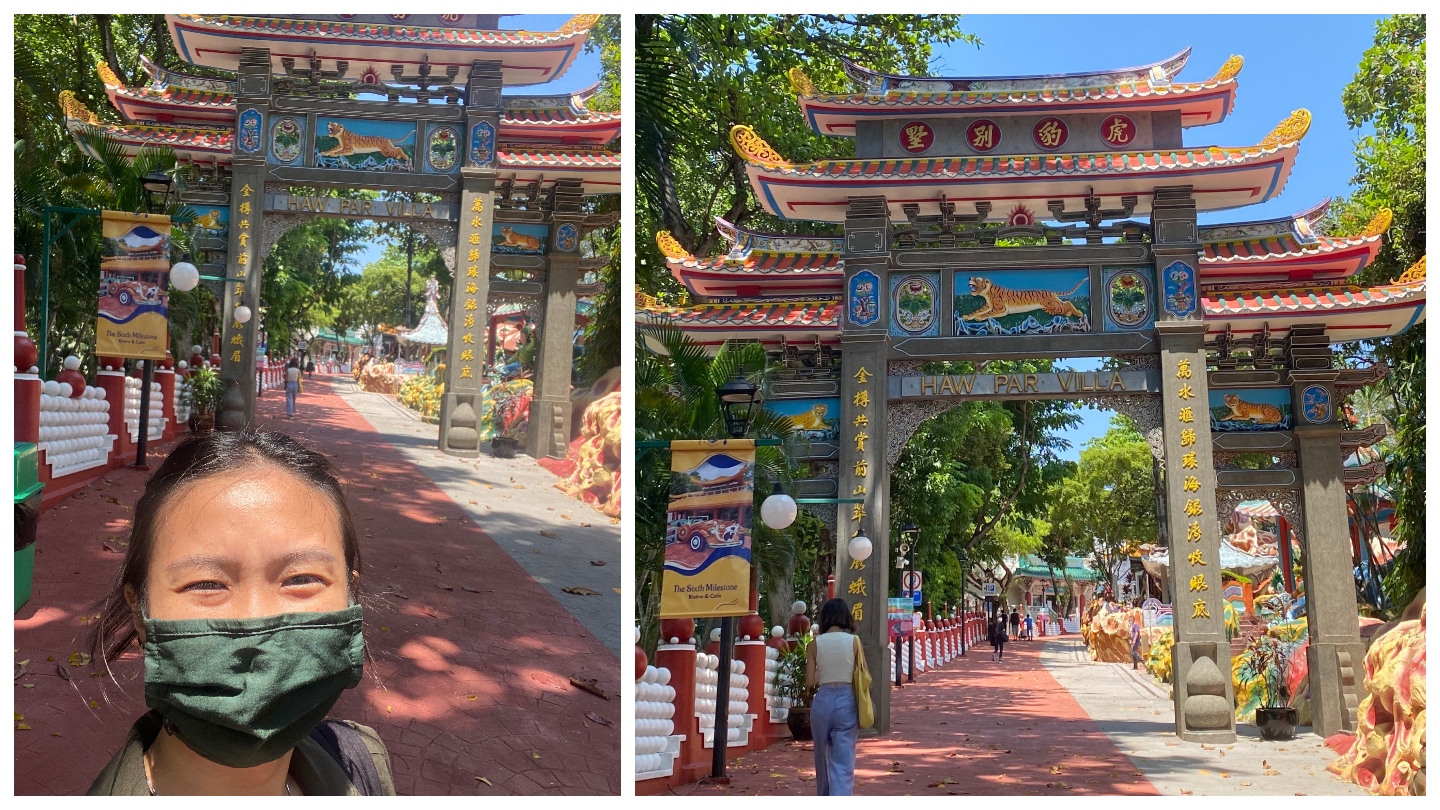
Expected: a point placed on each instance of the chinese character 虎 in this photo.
(1192, 507)
(862, 399)
(1119, 132)
(1189, 462)
(857, 587)
(1192, 484)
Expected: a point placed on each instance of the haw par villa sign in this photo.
(1052, 385)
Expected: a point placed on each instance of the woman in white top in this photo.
(292, 386)
(830, 662)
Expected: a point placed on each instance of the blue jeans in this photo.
(291, 389)
(835, 725)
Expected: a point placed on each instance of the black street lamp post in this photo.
(910, 546)
(964, 599)
(738, 400)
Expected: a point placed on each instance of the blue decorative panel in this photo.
(1242, 410)
(519, 238)
(817, 418)
(862, 304)
(364, 145)
(248, 127)
(1128, 299)
(442, 149)
(1180, 295)
(915, 304)
(1022, 302)
(482, 144)
(1315, 404)
(287, 140)
(567, 238)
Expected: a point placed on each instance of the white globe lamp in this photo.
(779, 510)
(242, 314)
(860, 547)
(184, 277)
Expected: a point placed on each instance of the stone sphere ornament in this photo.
(72, 377)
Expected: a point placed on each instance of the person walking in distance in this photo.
(1000, 637)
(830, 664)
(1134, 643)
(292, 386)
(1014, 622)
(1029, 627)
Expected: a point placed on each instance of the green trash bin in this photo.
(27, 518)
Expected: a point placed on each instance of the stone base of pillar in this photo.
(1204, 692)
(549, 428)
(459, 435)
(1336, 671)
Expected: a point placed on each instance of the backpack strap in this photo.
(345, 745)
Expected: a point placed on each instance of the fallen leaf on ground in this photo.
(584, 525)
(22, 726)
(551, 535)
(1187, 793)
(1059, 785)
(469, 589)
(1271, 772)
(475, 503)
(941, 783)
(597, 718)
(534, 755)
(79, 659)
(471, 697)
(486, 781)
(589, 685)
(64, 673)
(597, 562)
(580, 591)
(1244, 784)
(564, 517)
(1055, 769)
(442, 586)
(113, 550)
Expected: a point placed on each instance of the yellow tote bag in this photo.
(860, 681)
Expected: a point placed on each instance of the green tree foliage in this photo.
(1388, 93)
(377, 294)
(306, 278)
(1108, 507)
(697, 76)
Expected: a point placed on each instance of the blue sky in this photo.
(583, 72)
(1290, 62)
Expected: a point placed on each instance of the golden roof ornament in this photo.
(754, 149)
(1415, 274)
(800, 83)
(671, 246)
(76, 109)
(578, 23)
(1228, 71)
(1380, 224)
(1289, 131)
(107, 75)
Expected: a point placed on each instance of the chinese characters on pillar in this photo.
(861, 400)
(242, 269)
(1191, 484)
(472, 271)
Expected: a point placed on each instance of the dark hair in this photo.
(836, 613)
(293, 363)
(194, 460)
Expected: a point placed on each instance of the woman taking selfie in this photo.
(830, 663)
(240, 585)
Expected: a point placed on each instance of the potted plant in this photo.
(507, 421)
(205, 393)
(1277, 718)
(790, 684)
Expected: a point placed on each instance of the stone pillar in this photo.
(1203, 693)
(1335, 655)
(554, 358)
(863, 419)
(465, 357)
(242, 262)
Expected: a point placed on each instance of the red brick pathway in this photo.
(973, 728)
(463, 685)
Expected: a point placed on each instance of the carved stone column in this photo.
(243, 262)
(1335, 654)
(1203, 693)
(465, 356)
(554, 358)
(865, 347)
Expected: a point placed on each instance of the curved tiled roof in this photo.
(1162, 71)
(375, 32)
(799, 315)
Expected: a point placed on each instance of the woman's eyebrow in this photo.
(319, 555)
(210, 561)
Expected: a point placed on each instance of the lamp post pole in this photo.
(964, 600)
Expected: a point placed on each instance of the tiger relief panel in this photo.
(1022, 302)
(1237, 410)
(365, 145)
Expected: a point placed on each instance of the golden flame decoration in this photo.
(754, 149)
(1289, 131)
(800, 83)
(1416, 273)
(1380, 224)
(646, 301)
(107, 75)
(579, 23)
(671, 246)
(1228, 71)
(74, 108)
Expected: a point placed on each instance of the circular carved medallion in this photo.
(983, 135)
(1050, 133)
(916, 137)
(1118, 131)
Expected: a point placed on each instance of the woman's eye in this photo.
(204, 585)
(304, 579)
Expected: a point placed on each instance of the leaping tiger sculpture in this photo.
(1002, 301)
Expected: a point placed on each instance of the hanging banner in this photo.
(134, 275)
(707, 531)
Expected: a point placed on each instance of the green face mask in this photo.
(242, 692)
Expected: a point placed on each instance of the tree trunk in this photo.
(107, 46)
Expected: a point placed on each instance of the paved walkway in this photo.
(470, 686)
(1049, 722)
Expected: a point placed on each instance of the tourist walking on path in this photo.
(292, 386)
(830, 663)
(1134, 643)
(1014, 622)
(1000, 639)
(240, 585)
